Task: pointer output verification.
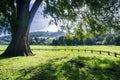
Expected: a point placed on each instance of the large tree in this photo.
(18, 15)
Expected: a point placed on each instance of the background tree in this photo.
(89, 41)
(117, 40)
(108, 40)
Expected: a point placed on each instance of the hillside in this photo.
(47, 34)
(37, 34)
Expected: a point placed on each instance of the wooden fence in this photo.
(85, 50)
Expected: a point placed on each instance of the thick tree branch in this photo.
(33, 10)
(28, 4)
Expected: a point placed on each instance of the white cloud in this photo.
(51, 28)
(40, 23)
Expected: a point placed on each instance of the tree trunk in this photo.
(19, 45)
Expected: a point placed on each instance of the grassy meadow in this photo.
(62, 65)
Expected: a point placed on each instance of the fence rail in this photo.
(85, 50)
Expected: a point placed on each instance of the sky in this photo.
(40, 23)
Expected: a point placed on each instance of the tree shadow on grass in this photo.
(4, 57)
(80, 68)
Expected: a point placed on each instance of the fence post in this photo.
(100, 51)
(108, 53)
(91, 51)
(64, 49)
(71, 49)
(78, 50)
(115, 54)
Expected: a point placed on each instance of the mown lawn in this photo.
(62, 65)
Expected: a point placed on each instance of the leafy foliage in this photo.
(94, 16)
(7, 9)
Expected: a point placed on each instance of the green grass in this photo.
(62, 65)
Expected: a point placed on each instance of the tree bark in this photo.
(19, 46)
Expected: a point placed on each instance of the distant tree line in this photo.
(105, 39)
(2, 42)
(101, 40)
(40, 41)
